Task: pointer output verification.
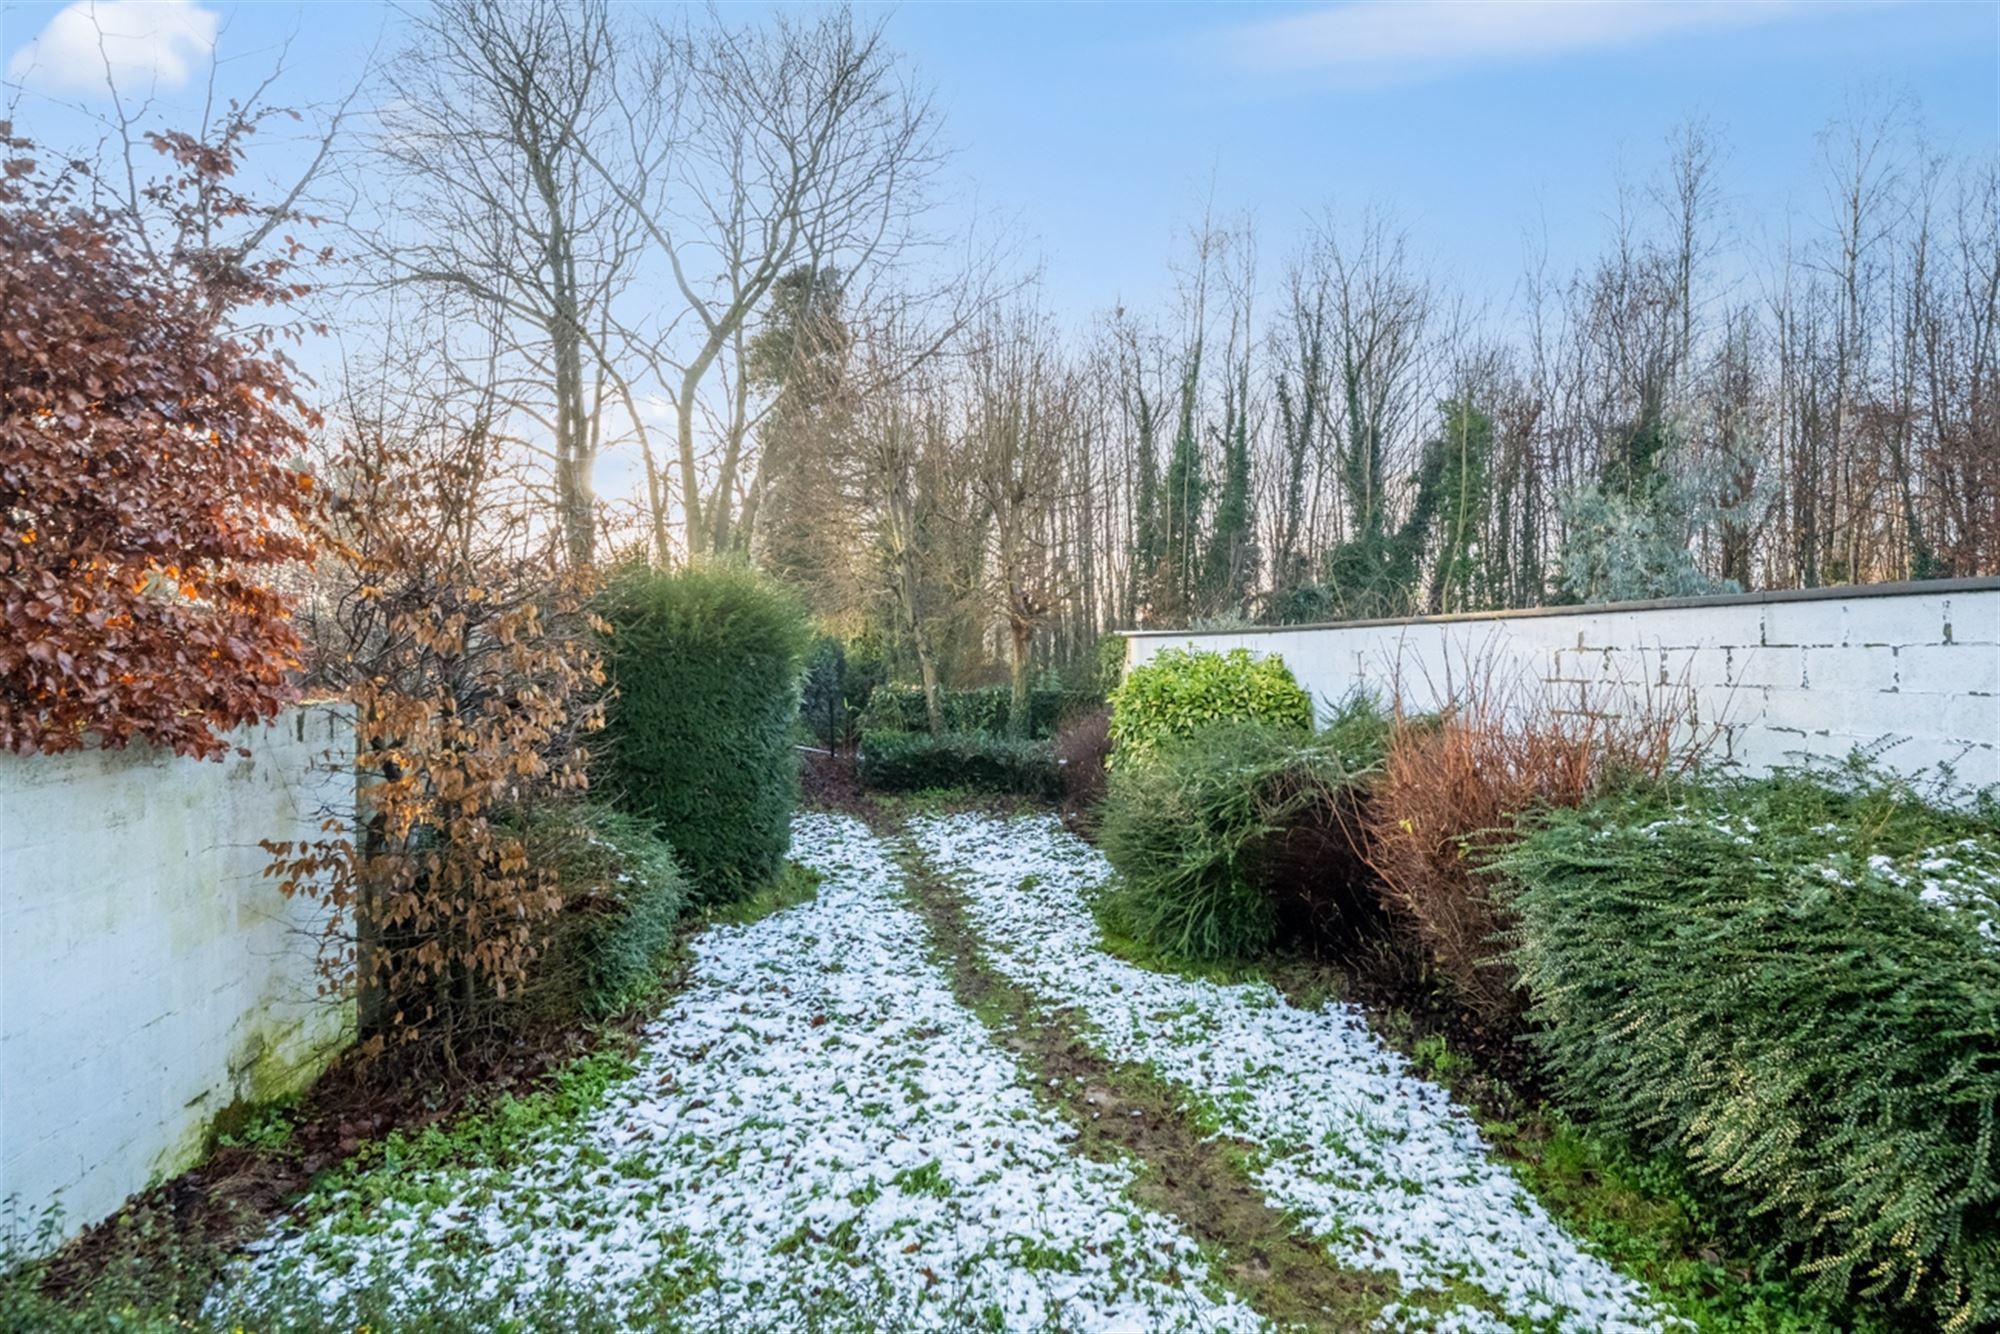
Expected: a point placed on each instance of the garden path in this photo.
(835, 1126)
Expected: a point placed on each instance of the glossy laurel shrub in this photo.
(1178, 692)
(707, 664)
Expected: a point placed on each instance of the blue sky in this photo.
(1102, 130)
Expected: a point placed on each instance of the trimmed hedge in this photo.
(699, 734)
(623, 895)
(1179, 691)
(988, 709)
(1239, 835)
(918, 761)
(1796, 988)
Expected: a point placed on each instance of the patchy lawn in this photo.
(817, 1136)
(1379, 1164)
(924, 1098)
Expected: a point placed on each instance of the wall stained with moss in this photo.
(151, 979)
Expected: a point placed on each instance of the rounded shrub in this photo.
(623, 895)
(1238, 836)
(1180, 691)
(706, 663)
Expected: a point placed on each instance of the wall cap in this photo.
(1836, 593)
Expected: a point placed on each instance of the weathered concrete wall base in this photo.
(1910, 674)
(151, 977)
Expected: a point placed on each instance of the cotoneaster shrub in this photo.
(1796, 988)
(1180, 691)
(706, 663)
(918, 761)
(1233, 835)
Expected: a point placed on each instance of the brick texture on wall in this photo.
(1909, 673)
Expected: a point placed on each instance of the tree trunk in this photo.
(1020, 637)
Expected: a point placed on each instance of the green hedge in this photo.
(699, 734)
(1796, 988)
(918, 761)
(1239, 832)
(988, 709)
(623, 895)
(1179, 691)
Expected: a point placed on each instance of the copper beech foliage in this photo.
(148, 489)
(471, 666)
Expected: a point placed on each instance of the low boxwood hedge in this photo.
(918, 761)
(988, 709)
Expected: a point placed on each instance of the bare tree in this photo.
(1023, 414)
(805, 149)
(496, 188)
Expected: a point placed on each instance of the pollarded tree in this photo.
(148, 486)
(1023, 415)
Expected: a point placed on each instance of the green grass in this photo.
(794, 884)
(1640, 1214)
(157, 1284)
(405, 1165)
(1119, 944)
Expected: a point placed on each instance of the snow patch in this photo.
(1380, 1163)
(814, 1117)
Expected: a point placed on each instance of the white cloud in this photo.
(147, 44)
(1382, 39)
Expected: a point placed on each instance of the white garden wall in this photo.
(1908, 671)
(150, 976)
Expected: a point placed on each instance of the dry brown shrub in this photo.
(469, 659)
(148, 425)
(1453, 784)
(1083, 746)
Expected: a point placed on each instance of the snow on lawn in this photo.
(816, 1125)
(1376, 1160)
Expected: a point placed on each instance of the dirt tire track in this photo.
(1124, 1111)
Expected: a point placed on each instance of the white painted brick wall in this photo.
(150, 976)
(1911, 672)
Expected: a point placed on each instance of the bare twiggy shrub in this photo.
(1453, 784)
(1083, 746)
